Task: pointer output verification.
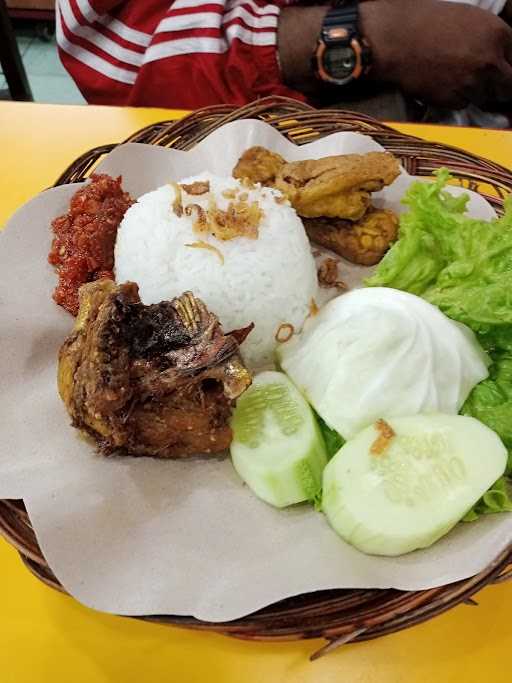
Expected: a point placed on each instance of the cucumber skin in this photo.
(300, 482)
(345, 523)
(302, 485)
(372, 543)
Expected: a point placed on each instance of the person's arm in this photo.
(169, 54)
(297, 36)
(443, 53)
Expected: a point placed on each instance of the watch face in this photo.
(340, 62)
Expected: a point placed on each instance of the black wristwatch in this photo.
(342, 55)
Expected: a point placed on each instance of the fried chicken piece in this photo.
(259, 165)
(337, 186)
(155, 380)
(364, 242)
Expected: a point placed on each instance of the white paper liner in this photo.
(143, 536)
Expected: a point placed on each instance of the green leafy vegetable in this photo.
(333, 441)
(460, 264)
(496, 499)
(463, 266)
(491, 401)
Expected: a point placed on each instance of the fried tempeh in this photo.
(364, 242)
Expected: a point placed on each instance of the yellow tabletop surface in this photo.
(46, 636)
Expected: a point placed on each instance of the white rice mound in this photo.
(269, 281)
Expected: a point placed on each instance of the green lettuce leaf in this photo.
(496, 499)
(463, 266)
(491, 401)
(333, 441)
(460, 264)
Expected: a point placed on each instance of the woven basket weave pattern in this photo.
(337, 615)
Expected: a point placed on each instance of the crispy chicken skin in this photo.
(335, 187)
(364, 242)
(259, 165)
(154, 380)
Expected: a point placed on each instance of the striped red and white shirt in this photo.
(182, 54)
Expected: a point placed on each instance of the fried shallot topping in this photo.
(229, 194)
(198, 187)
(241, 218)
(201, 222)
(284, 333)
(177, 205)
(201, 244)
(313, 308)
(383, 441)
(328, 273)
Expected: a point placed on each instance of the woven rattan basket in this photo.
(339, 616)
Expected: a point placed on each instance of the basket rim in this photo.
(296, 121)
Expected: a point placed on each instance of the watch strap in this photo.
(340, 29)
(344, 15)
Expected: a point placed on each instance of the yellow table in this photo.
(45, 636)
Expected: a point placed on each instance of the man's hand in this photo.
(445, 54)
(442, 53)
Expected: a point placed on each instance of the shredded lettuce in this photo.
(463, 266)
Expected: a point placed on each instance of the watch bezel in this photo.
(331, 39)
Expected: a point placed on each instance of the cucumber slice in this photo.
(433, 470)
(277, 447)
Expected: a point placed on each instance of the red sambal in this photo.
(83, 246)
